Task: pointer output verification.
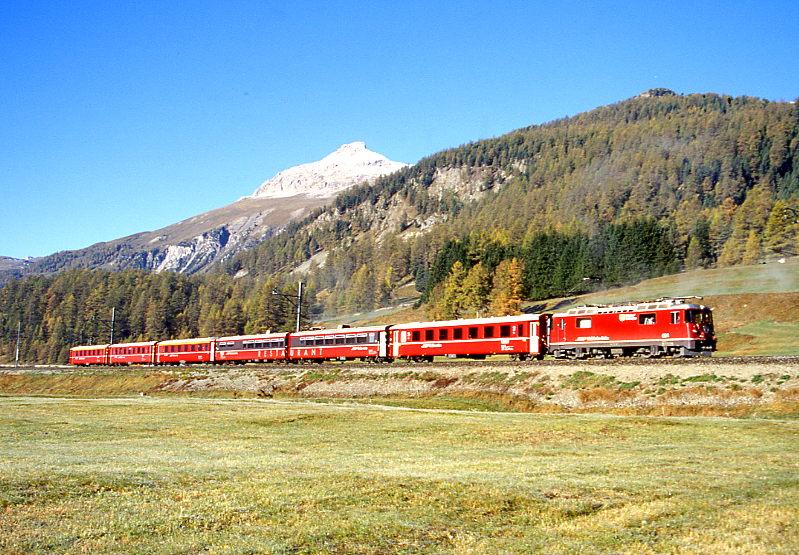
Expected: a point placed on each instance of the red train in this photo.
(666, 327)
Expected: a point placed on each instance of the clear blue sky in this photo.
(117, 118)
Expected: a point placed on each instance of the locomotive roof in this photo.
(87, 347)
(266, 335)
(469, 322)
(337, 331)
(659, 304)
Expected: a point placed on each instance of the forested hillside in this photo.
(624, 192)
(74, 308)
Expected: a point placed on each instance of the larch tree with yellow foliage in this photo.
(506, 298)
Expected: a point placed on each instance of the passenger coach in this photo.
(132, 353)
(89, 354)
(266, 347)
(185, 351)
(368, 343)
(521, 337)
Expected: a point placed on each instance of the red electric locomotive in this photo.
(132, 353)
(185, 351)
(369, 343)
(88, 355)
(663, 327)
(267, 347)
(521, 337)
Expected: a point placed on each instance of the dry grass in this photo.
(198, 475)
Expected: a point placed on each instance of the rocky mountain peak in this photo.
(653, 93)
(349, 165)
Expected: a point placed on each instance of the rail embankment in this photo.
(764, 386)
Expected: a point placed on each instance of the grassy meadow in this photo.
(187, 475)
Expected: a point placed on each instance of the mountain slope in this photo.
(714, 172)
(192, 245)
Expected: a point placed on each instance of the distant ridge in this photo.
(194, 244)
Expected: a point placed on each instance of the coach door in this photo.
(383, 344)
(534, 339)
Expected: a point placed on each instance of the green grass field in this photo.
(758, 278)
(185, 475)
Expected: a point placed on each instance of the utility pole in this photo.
(299, 305)
(113, 321)
(16, 354)
(297, 301)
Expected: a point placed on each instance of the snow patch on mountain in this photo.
(349, 165)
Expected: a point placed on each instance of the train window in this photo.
(428, 335)
(443, 334)
(372, 337)
(488, 332)
(504, 331)
(457, 333)
(583, 323)
(350, 340)
(472, 333)
(646, 319)
(675, 317)
(340, 340)
(416, 335)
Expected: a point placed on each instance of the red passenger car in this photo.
(521, 337)
(662, 327)
(185, 351)
(132, 353)
(370, 343)
(88, 355)
(266, 347)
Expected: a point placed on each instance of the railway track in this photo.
(460, 363)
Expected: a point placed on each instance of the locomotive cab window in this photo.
(675, 317)
(583, 323)
(646, 319)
